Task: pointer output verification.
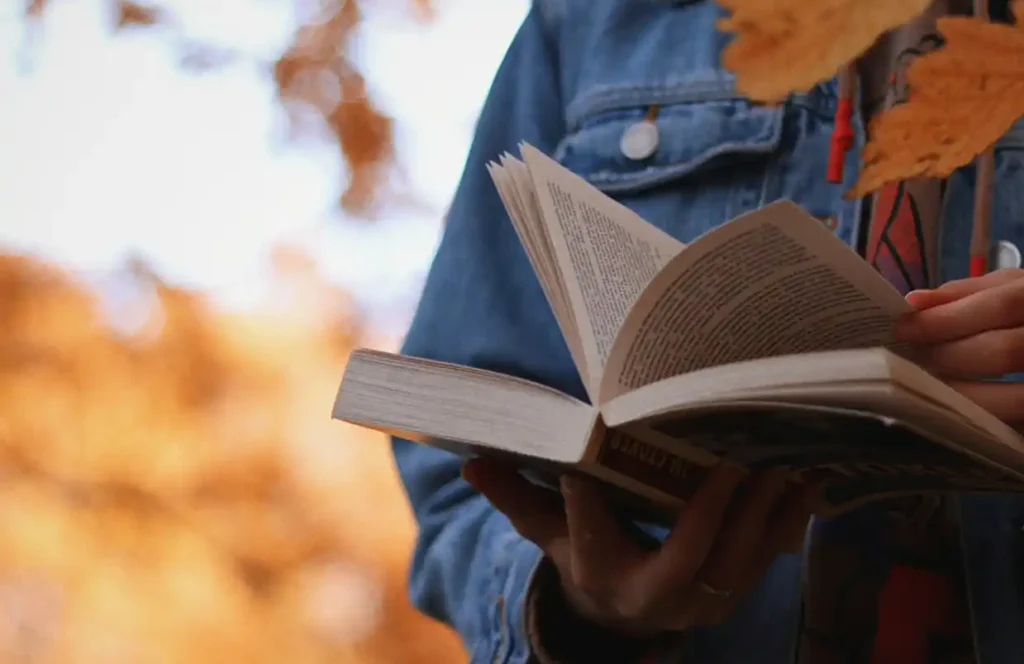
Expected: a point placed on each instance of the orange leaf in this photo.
(962, 98)
(783, 46)
(34, 8)
(132, 13)
(316, 73)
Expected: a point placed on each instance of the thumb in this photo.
(535, 512)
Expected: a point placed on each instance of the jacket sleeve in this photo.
(480, 307)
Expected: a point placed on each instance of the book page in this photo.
(606, 253)
(772, 282)
(515, 188)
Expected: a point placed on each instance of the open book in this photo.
(765, 342)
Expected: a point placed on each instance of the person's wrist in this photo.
(563, 632)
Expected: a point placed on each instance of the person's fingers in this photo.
(787, 528)
(784, 532)
(535, 512)
(670, 569)
(1001, 306)
(1005, 400)
(987, 354)
(694, 532)
(954, 290)
(741, 535)
(740, 541)
(600, 554)
(693, 606)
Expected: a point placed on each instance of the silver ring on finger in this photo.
(714, 592)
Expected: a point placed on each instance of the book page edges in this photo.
(915, 379)
(515, 187)
(836, 378)
(426, 400)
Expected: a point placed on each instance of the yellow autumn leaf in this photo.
(962, 98)
(784, 46)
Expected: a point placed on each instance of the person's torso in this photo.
(718, 156)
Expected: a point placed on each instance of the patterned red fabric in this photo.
(885, 586)
(916, 606)
(920, 611)
(896, 240)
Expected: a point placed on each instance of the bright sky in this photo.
(108, 148)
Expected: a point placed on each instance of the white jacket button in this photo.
(1004, 255)
(640, 140)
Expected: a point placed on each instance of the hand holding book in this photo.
(974, 328)
(719, 546)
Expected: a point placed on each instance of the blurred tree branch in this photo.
(316, 72)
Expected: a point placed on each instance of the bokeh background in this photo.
(204, 206)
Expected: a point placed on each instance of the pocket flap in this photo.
(691, 136)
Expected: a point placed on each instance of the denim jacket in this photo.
(577, 74)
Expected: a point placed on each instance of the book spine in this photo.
(647, 465)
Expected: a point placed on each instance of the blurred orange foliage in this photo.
(176, 491)
(315, 73)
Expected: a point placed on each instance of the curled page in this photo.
(606, 253)
(772, 282)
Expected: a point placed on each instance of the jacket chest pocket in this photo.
(684, 166)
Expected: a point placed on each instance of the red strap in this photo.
(842, 140)
(978, 266)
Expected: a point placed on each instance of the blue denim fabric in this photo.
(577, 74)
